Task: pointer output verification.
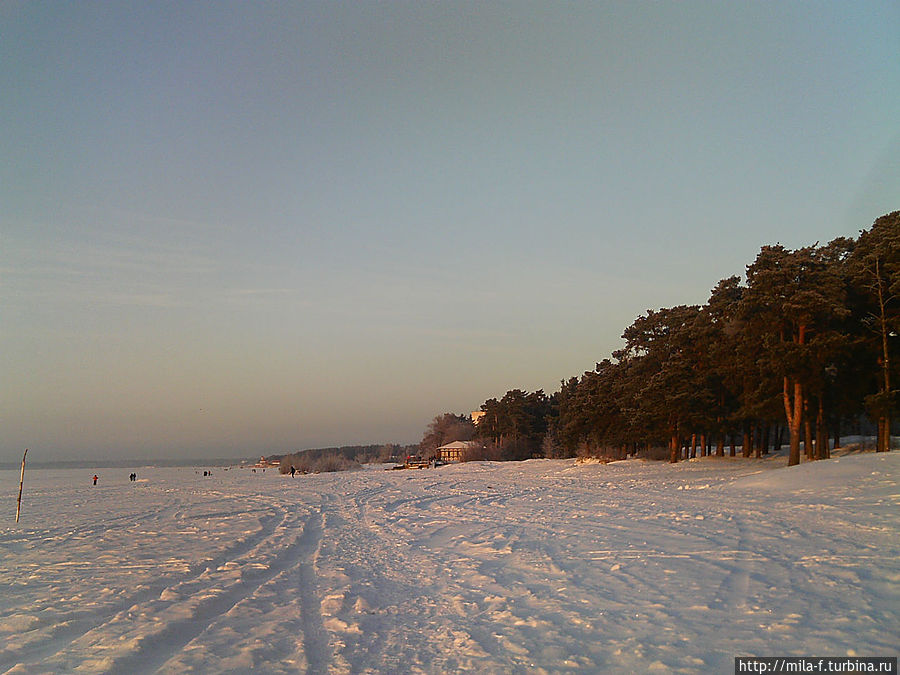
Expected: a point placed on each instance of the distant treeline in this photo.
(320, 460)
(805, 344)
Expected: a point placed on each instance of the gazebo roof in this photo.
(458, 445)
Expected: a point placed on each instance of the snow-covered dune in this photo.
(540, 566)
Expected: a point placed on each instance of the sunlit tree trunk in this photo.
(748, 441)
(793, 410)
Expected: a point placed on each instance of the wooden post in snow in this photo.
(21, 482)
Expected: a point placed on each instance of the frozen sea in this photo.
(545, 566)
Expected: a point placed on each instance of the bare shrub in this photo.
(334, 463)
(484, 453)
(322, 463)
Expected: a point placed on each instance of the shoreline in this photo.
(127, 463)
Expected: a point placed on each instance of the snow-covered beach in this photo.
(538, 566)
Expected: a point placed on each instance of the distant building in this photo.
(457, 450)
(263, 462)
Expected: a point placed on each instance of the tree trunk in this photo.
(884, 434)
(720, 445)
(884, 426)
(808, 439)
(674, 447)
(693, 446)
(821, 433)
(732, 450)
(748, 441)
(793, 410)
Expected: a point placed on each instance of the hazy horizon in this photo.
(240, 229)
(36, 463)
(44, 460)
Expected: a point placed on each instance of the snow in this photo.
(538, 566)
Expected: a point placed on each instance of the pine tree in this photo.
(875, 270)
(797, 295)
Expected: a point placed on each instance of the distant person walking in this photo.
(293, 470)
(96, 477)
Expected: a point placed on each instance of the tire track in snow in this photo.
(73, 625)
(315, 637)
(732, 592)
(156, 650)
(61, 535)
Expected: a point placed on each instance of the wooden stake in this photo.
(21, 482)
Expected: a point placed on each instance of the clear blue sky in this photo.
(237, 228)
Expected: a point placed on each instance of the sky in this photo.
(230, 229)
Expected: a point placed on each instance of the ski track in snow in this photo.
(540, 566)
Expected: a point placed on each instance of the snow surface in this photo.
(539, 566)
